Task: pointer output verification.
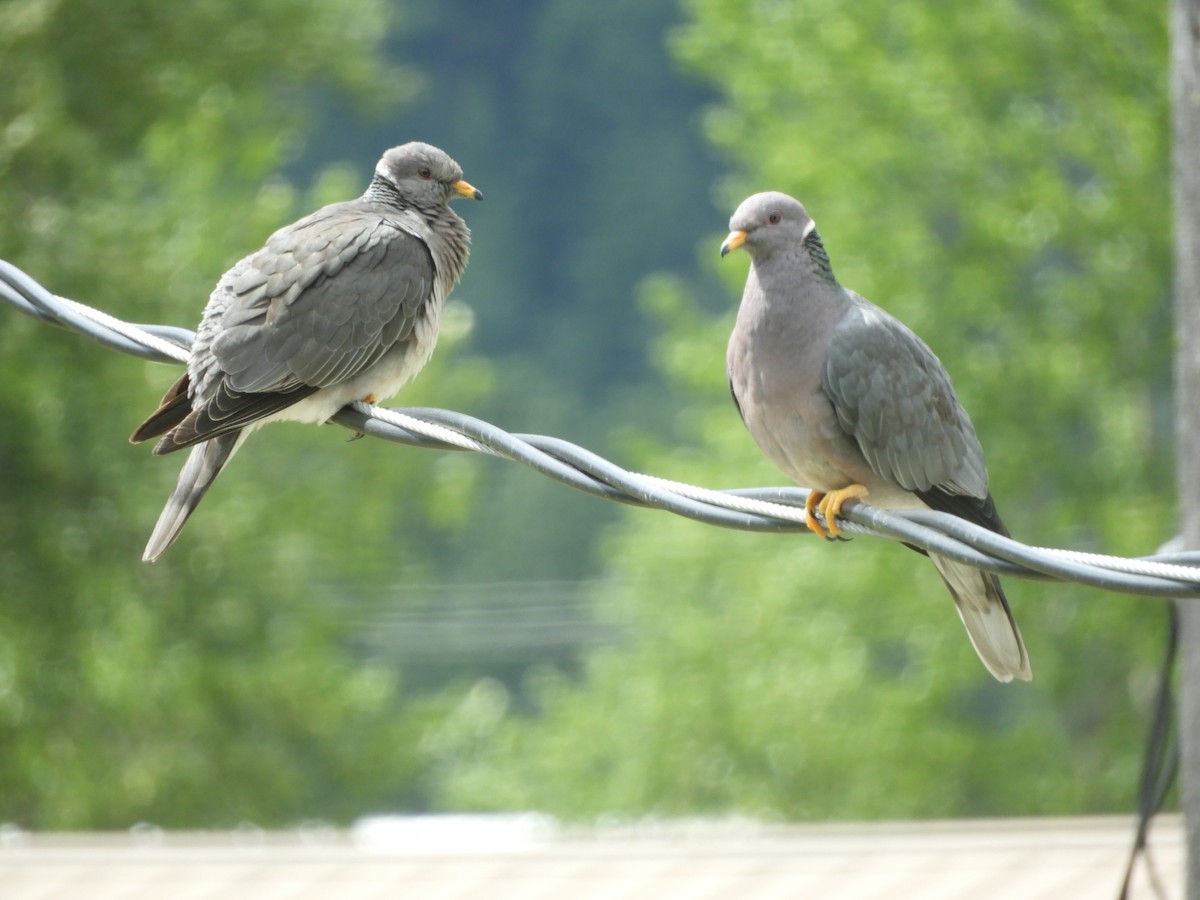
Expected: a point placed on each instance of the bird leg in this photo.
(370, 400)
(810, 518)
(830, 506)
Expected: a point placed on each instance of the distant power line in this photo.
(486, 621)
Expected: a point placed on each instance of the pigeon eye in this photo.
(425, 172)
(774, 218)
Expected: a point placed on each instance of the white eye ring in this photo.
(425, 173)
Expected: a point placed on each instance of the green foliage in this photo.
(997, 177)
(214, 686)
(572, 120)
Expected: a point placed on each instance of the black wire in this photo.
(1160, 761)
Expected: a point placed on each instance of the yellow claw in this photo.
(810, 518)
(830, 507)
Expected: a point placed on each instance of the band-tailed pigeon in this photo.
(849, 402)
(342, 305)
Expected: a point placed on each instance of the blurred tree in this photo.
(997, 177)
(1010, 159)
(212, 687)
(136, 170)
(574, 122)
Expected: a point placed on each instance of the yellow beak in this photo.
(735, 240)
(461, 187)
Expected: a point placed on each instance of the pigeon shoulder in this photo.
(895, 398)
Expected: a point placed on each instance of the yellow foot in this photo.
(810, 518)
(830, 506)
(371, 399)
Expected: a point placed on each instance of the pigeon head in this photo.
(767, 222)
(421, 175)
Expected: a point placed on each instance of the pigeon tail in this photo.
(203, 465)
(985, 613)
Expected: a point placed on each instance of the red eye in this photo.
(425, 173)
(774, 218)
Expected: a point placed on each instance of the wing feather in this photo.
(323, 301)
(892, 395)
(336, 301)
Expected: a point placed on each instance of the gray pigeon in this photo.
(340, 306)
(849, 402)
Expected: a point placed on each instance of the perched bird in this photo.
(849, 402)
(342, 305)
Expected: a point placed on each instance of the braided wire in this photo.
(751, 509)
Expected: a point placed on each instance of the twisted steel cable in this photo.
(753, 509)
